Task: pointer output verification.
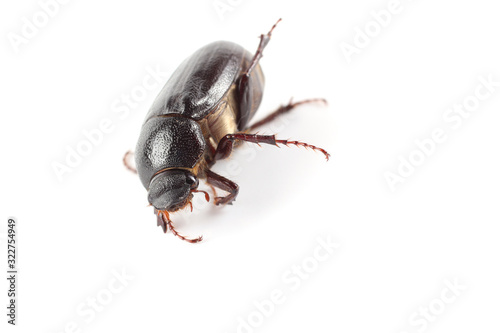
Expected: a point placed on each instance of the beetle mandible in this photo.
(203, 110)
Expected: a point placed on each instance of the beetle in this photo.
(202, 112)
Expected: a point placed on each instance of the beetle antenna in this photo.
(166, 219)
(207, 197)
(213, 190)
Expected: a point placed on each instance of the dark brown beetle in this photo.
(200, 114)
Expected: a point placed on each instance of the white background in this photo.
(397, 248)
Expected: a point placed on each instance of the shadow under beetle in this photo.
(201, 113)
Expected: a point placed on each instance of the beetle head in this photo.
(172, 189)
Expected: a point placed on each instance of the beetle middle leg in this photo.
(282, 110)
(225, 145)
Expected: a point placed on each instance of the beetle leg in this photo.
(226, 143)
(264, 40)
(305, 145)
(283, 109)
(126, 161)
(249, 84)
(225, 184)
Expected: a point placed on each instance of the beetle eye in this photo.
(192, 181)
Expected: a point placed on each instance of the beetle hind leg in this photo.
(264, 40)
(251, 82)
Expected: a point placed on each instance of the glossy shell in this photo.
(201, 81)
(171, 136)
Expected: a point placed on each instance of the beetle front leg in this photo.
(225, 184)
(126, 161)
